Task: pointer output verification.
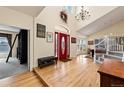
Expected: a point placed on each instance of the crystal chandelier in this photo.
(83, 14)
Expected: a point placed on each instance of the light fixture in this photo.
(83, 14)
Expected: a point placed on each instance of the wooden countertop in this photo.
(113, 68)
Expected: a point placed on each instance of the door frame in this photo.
(57, 50)
(68, 50)
(28, 49)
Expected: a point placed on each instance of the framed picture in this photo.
(49, 37)
(73, 40)
(90, 42)
(41, 30)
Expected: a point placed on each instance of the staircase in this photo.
(111, 47)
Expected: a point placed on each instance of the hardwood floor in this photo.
(27, 79)
(80, 72)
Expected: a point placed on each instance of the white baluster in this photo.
(110, 43)
(123, 52)
(95, 52)
(122, 44)
(123, 57)
(107, 44)
(117, 43)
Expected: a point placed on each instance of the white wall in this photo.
(15, 18)
(50, 17)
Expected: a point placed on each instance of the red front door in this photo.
(62, 46)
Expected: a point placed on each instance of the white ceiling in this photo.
(29, 10)
(9, 28)
(104, 22)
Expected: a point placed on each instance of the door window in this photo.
(63, 45)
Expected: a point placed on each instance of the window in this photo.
(81, 45)
(68, 9)
(4, 45)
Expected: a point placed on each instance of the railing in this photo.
(109, 43)
(100, 45)
(116, 43)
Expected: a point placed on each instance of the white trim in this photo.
(123, 57)
(114, 56)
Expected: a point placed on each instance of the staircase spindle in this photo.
(110, 43)
(117, 42)
(123, 42)
(114, 43)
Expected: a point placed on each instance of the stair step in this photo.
(117, 53)
(100, 54)
(101, 58)
(97, 61)
(121, 52)
(113, 56)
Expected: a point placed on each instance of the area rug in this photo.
(66, 60)
(11, 68)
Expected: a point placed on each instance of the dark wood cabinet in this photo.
(112, 73)
(22, 50)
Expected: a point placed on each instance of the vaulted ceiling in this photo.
(105, 21)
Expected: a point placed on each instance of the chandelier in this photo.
(83, 14)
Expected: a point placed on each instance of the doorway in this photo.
(14, 52)
(22, 49)
(62, 46)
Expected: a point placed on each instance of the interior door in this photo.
(62, 46)
(23, 46)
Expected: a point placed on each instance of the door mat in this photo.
(66, 60)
